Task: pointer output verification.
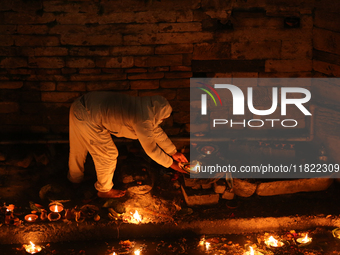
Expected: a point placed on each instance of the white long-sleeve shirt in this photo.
(135, 118)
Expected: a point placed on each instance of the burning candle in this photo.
(272, 242)
(32, 248)
(305, 240)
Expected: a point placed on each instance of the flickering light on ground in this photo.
(32, 248)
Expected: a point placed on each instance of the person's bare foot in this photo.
(113, 193)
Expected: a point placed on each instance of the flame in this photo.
(29, 219)
(137, 217)
(306, 239)
(207, 245)
(208, 152)
(113, 253)
(251, 251)
(56, 208)
(196, 168)
(272, 242)
(32, 249)
(137, 252)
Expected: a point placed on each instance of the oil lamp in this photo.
(32, 248)
(54, 215)
(56, 207)
(252, 252)
(305, 240)
(31, 217)
(272, 242)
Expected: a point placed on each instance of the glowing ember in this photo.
(32, 248)
(271, 241)
(137, 252)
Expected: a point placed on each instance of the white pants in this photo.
(87, 137)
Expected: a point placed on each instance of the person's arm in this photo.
(147, 138)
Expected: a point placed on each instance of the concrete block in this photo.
(228, 195)
(220, 187)
(243, 188)
(293, 186)
(203, 198)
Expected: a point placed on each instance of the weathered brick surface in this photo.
(9, 107)
(32, 29)
(178, 75)
(36, 40)
(131, 50)
(174, 49)
(13, 62)
(115, 62)
(144, 84)
(98, 77)
(180, 27)
(326, 68)
(90, 71)
(288, 65)
(91, 40)
(327, 20)
(325, 40)
(145, 76)
(44, 51)
(107, 85)
(167, 93)
(209, 51)
(47, 86)
(175, 83)
(159, 60)
(71, 86)
(58, 97)
(6, 40)
(46, 62)
(80, 63)
(256, 50)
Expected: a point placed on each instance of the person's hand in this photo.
(175, 166)
(179, 157)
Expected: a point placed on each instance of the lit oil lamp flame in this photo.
(137, 252)
(196, 168)
(29, 218)
(32, 248)
(304, 240)
(207, 245)
(271, 241)
(55, 208)
(251, 251)
(137, 217)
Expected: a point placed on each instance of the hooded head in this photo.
(160, 108)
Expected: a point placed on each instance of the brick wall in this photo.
(326, 63)
(53, 51)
